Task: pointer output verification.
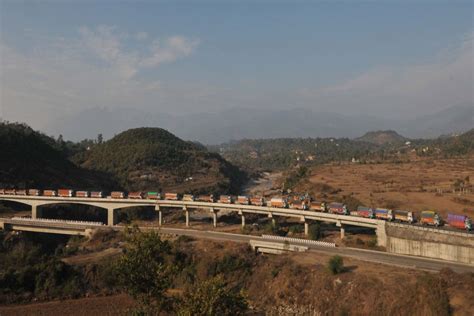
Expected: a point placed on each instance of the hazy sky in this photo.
(390, 58)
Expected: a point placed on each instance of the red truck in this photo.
(97, 194)
(338, 208)
(364, 211)
(460, 221)
(65, 193)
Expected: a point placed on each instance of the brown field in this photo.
(416, 186)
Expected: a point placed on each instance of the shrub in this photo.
(336, 264)
(315, 232)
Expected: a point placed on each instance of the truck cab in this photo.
(468, 224)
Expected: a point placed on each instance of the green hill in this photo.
(382, 137)
(30, 159)
(153, 158)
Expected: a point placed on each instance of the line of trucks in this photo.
(305, 202)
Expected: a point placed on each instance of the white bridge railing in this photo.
(303, 241)
(56, 221)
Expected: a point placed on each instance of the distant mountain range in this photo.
(242, 123)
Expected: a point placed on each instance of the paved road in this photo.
(360, 254)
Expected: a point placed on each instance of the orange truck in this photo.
(171, 196)
(34, 192)
(280, 202)
(242, 199)
(117, 195)
(206, 198)
(135, 195)
(82, 194)
(430, 218)
(50, 193)
(257, 201)
(226, 199)
(188, 197)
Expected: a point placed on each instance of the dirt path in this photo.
(92, 257)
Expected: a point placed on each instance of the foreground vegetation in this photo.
(182, 276)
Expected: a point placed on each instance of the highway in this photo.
(355, 253)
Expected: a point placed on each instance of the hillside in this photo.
(153, 158)
(282, 153)
(31, 159)
(382, 137)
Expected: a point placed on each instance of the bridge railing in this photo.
(58, 221)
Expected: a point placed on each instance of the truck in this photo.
(20, 192)
(153, 195)
(242, 199)
(188, 197)
(257, 201)
(9, 191)
(383, 213)
(300, 204)
(318, 206)
(338, 208)
(430, 218)
(206, 198)
(171, 196)
(280, 202)
(34, 192)
(65, 193)
(97, 194)
(364, 211)
(403, 216)
(135, 195)
(226, 199)
(50, 193)
(459, 221)
(117, 195)
(82, 194)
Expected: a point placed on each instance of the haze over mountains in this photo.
(241, 123)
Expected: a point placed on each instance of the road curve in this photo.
(405, 261)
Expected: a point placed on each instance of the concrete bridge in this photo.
(112, 205)
(50, 226)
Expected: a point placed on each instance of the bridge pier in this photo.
(111, 218)
(343, 232)
(186, 213)
(157, 208)
(214, 217)
(306, 228)
(243, 220)
(35, 212)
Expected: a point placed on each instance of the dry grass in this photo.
(412, 186)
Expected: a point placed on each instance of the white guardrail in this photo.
(303, 241)
(58, 221)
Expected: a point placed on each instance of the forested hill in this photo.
(30, 159)
(153, 159)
